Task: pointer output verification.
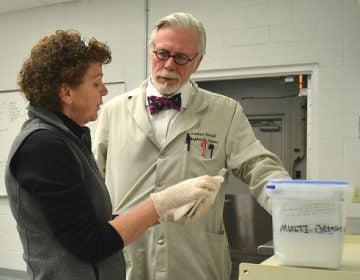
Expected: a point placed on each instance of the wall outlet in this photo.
(356, 197)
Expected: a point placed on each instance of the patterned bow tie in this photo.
(156, 103)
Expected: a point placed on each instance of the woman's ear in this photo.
(65, 94)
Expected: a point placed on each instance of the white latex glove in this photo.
(190, 212)
(199, 209)
(185, 192)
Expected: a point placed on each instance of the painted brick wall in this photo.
(242, 34)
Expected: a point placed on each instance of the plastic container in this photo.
(308, 221)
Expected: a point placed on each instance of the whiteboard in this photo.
(13, 113)
(12, 116)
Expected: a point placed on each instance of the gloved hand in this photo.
(190, 212)
(185, 192)
(198, 209)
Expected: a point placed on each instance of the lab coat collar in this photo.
(188, 118)
(137, 108)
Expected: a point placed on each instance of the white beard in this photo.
(164, 88)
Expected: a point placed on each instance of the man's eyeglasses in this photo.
(179, 58)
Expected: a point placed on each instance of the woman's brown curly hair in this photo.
(62, 57)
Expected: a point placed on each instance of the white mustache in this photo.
(168, 75)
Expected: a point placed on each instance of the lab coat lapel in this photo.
(137, 109)
(191, 115)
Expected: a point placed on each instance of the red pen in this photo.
(203, 146)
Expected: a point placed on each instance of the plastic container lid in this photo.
(273, 183)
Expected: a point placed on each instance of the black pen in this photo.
(211, 148)
(187, 141)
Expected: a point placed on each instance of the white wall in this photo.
(245, 35)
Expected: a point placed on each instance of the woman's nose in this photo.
(104, 91)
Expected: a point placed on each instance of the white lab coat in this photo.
(134, 165)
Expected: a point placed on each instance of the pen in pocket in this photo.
(187, 141)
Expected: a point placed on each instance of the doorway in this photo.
(277, 110)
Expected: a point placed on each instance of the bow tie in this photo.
(156, 103)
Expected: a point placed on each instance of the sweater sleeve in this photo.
(46, 168)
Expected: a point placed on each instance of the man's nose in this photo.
(170, 63)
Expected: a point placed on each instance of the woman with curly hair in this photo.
(56, 192)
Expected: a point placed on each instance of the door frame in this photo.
(312, 70)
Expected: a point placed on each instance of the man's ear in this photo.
(65, 93)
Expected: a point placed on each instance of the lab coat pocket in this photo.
(198, 161)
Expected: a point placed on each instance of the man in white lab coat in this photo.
(145, 139)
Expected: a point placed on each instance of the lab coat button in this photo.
(161, 242)
(162, 155)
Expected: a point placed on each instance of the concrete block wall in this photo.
(250, 35)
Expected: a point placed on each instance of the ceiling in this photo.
(7, 6)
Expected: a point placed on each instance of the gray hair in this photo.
(181, 20)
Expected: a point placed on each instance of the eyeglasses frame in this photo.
(174, 56)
